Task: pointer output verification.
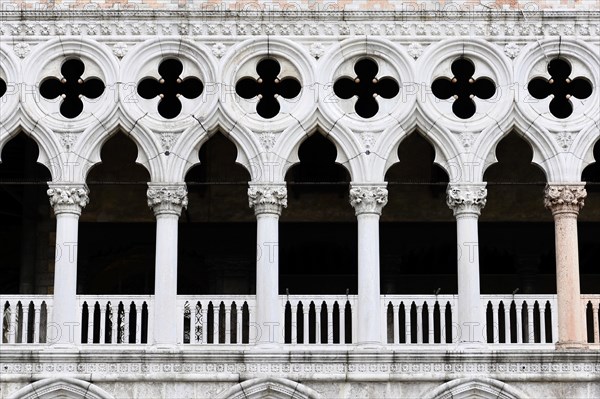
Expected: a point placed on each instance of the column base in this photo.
(471, 346)
(572, 345)
(369, 345)
(168, 348)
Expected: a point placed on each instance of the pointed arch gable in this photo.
(348, 151)
(484, 388)
(187, 149)
(50, 153)
(63, 387)
(88, 148)
(277, 388)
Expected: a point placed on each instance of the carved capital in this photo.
(167, 198)
(564, 198)
(68, 198)
(368, 199)
(267, 198)
(466, 198)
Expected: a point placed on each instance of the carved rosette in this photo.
(267, 198)
(167, 198)
(368, 199)
(66, 198)
(564, 198)
(466, 199)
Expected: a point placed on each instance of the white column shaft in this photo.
(268, 312)
(369, 298)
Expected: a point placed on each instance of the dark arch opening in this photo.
(589, 227)
(27, 250)
(217, 233)
(318, 231)
(516, 232)
(117, 230)
(418, 234)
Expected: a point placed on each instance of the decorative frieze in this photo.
(368, 199)
(65, 198)
(564, 198)
(466, 198)
(167, 198)
(267, 198)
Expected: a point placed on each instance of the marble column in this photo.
(466, 201)
(565, 201)
(67, 200)
(268, 200)
(368, 202)
(167, 201)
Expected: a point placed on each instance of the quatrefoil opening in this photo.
(2, 87)
(268, 87)
(72, 88)
(560, 87)
(464, 88)
(366, 87)
(170, 87)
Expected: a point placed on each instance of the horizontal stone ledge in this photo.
(306, 377)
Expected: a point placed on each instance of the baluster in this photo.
(507, 338)
(407, 325)
(138, 322)
(216, 317)
(103, 310)
(294, 323)
(330, 323)
(495, 323)
(430, 310)
(343, 323)
(13, 328)
(115, 323)
(542, 323)
(595, 321)
(396, 323)
(305, 311)
(530, 329)
(383, 320)
(181, 310)
(519, 308)
(228, 323)
(204, 323)
(554, 319)
(25, 335)
(419, 325)
(318, 323)
(37, 321)
(194, 312)
(126, 324)
(239, 322)
(354, 318)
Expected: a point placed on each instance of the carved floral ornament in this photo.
(267, 198)
(68, 198)
(170, 199)
(564, 198)
(368, 199)
(466, 198)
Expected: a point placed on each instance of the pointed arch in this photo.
(186, 150)
(484, 388)
(277, 388)
(349, 153)
(86, 151)
(63, 387)
(50, 154)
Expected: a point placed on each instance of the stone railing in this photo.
(307, 319)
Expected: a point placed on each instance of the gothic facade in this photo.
(300, 199)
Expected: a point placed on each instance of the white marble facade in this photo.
(412, 44)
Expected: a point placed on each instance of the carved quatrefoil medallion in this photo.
(366, 87)
(268, 87)
(170, 87)
(463, 88)
(71, 88)
(560, 87)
